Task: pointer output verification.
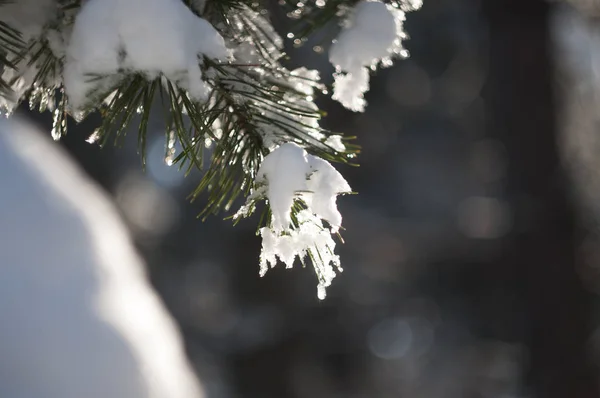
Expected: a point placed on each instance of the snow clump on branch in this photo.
(372, 34)
(289, 175)
(149, 36)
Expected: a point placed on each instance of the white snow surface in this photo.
(372, 34)
(79, 318)
(285, 171)
(369, 37)
(349, 89)
(335, 141)
(149, 36)
(290, 173)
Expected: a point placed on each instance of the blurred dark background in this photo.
(462, 274)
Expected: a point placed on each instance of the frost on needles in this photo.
(215, 68)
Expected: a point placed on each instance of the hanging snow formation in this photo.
(289, 174)
(372, 34)
(79, 318)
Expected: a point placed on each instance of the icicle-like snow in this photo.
(31, 18)
(310, 239)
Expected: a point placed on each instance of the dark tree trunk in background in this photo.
(543, 242)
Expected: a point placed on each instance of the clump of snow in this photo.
(285, 170)
(335, 142)
(372, 34)
(149, 36)
(349, 89)
(369, 36)
(289, 173)
(411, 5)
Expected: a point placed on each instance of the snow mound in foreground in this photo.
(79, 318)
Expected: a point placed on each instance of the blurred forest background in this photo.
(471, 258)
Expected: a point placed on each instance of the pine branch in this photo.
(248, 104)
(37, 64)
(252, 106)
(231, 119)
(10, 45)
